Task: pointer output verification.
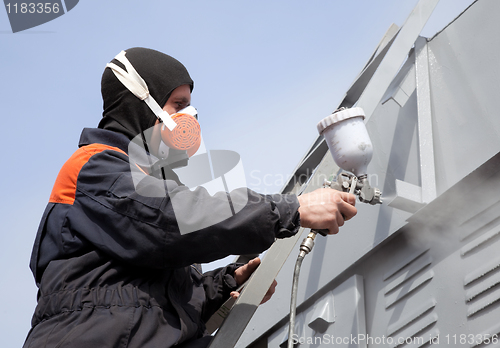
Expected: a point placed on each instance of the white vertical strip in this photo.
(425, 136)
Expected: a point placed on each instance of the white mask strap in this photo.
(135, 84)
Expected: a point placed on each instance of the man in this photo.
(112, 266)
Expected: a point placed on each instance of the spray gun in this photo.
(350, 145)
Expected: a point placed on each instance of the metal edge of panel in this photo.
(388, 68)
(468, 187)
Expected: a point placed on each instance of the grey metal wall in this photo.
(425, 264)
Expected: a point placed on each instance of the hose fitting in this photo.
(307, 244)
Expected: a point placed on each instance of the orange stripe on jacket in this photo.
(64, 189)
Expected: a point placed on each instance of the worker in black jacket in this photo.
(112, 265)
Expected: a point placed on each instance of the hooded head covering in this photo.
(124, 112)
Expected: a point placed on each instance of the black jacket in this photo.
(112, 268)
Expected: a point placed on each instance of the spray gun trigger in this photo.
(354, 183)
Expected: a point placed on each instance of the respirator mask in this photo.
(180, 132)
(184, 140)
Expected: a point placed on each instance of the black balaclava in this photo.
(124, 112)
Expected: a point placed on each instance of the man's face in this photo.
(178, 100)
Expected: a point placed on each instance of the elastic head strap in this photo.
(135, 84)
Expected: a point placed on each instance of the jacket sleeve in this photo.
(137, 223)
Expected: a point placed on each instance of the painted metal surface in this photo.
(425, 136)
(430, 271)
(464, 71)
(322, 319)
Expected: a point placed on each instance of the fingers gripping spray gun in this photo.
(350, 145)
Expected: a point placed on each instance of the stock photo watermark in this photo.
(432, 339)
(263, 181)
(29, 14)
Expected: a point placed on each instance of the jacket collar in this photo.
(103, 136)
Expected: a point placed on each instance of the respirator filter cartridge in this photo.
(186, 135)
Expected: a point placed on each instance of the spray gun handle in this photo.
(323, 232)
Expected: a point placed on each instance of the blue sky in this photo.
(265, 73)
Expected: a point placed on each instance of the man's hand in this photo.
(244, 272)
(326, 209)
